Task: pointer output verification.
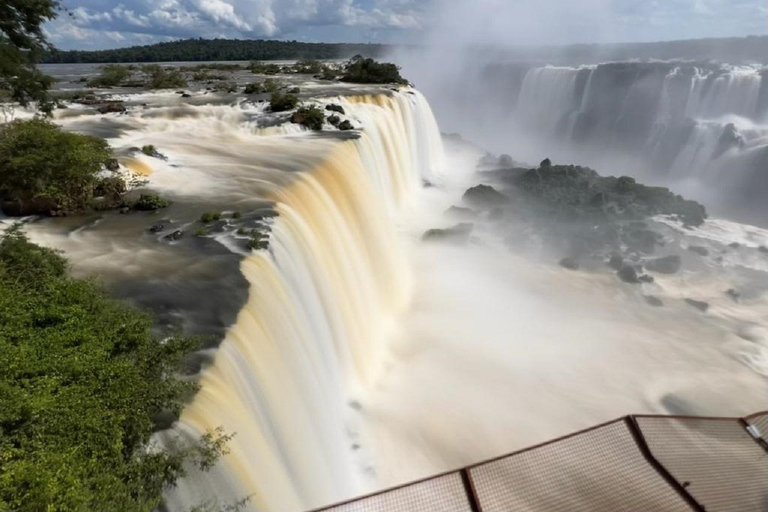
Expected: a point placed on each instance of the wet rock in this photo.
(654, 301)
(113, 107)
(701, 251)
(156, 228)
(734, 245)
(175, 236)
(346, 126)
(569, 263)
(616, 262)
(332, 107)
(700, 305)
(112, 165)
(628, 274)
(186, 95)
(643, 240)
(646, 279)
(666, 265)
(334, 120)
(459, 234)
(484, 196)
(733, 294)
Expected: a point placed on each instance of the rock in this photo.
(112, 107)
(484, 196)
(112, 165)
(643, 240)
(701, 251)
(332, 107)
(186, 95)
(616, 262)
(459, 234)
(666, 265)
(156, 228)
(645, 278)
(701, 306)
(628, 274)
(545, 164)
(734, 245)
(125, 210)
(176, 235)
(334, 120)
(569, 263)
(346, 126)
(459, 213)
(654, 301)
(733, 294)
(763, 249)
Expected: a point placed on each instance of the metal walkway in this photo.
(632, 464)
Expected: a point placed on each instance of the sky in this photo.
(97, 24)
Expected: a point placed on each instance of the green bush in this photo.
(159, 77)
(201, 232)
(209, 217)
(283, 102)
(236, 215)
(368, 71)
(227, 87)
(44, 168)
(271, 85)
(151, 150)
(82, 379)
(254, 88)
(111, 75)
(150, 202)
(308, 67)
(311, 117)
(259, 68)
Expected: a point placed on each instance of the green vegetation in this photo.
(367, 71)
(236, 215)
(111, 75)
(309, 67)
(159, 77)
(84, 383)
(22, 45)
(151, 150)
(201, 232)
(227, 87)
(209, 217)
(150, 203)
(260, 68)
(283, 102)
(311, 117)
(44, 169)
(254, 88)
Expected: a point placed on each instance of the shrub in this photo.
(82, 379)
(311, 117)
(236, 215)
(308, 67)
(43, 168)
(159, 77)
(259, 68)
(151, 150)
(254, 88)
(150, 202)
(367, 71)
(271, 85)
(209, 217)
(111, 75)
(227, 87)
(283, 102)
(201, 232)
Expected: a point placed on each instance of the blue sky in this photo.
(95, 24)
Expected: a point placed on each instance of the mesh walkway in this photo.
(632, 464)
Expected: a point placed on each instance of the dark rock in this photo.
(701, 251)
(332, 107)
(701, 306)
(763, 249)
(546, 163)
(734, 245)
(646, 279)
(334, 120)
(112, 165)
(112, 107)
(654, 301)
(628, 274)
(484, 196)
(176, 235)
(186, 95)
(733, 294)
(666, 265)
(643, 240)
(156, 228)
(346, 126)
(569, 263)
(459, 234)
(616, 262)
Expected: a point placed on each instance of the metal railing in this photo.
(638, 463)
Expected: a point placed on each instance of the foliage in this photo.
(159, 77)
(111, 75)
(236, 215)
(151, 150)
(82, 378)
(199, 50)
(308, 67)
(271, 85)
(209, 217)
(41, 164)
(150, 202)
(367, 71)
(227, 87)
(283, 102)
(22, 44)
(201, 232)
(311, 117)
(254, 88)
(260, 68)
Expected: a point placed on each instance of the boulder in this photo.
(332, 107)
(156, 228)
(459, 234)
(569, 263)
(654, 301)
(113, 107)
(616, 262)
(176, 235)
(733, 294)
(112, 165)
(700, 305)
(665, 265)
(334, 120)
(484, 196)
(628, 274)
(345, 126)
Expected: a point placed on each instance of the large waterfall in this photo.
(313, 332)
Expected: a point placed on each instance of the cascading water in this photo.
(312, 334)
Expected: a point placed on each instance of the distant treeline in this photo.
(200, 50)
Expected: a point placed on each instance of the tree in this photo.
(367, 71)
(22, 45)
(83, 385)
(44, 168)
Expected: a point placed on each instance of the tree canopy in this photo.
(83, 381)
(22, 45)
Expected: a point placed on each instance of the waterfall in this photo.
(313, 333)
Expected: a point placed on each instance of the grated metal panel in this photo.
(601, 470)
(761, 422)
(717, 461)
(442, 494)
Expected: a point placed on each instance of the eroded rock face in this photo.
(484, 196)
